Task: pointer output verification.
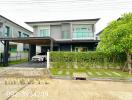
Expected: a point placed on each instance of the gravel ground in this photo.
(56, 89)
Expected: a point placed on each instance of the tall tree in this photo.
(117, 37)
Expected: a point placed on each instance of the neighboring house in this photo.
(8, 29)
(98, 34)
(69, 35)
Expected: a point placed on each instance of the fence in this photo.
(14, 56)
(1, 59)
(91, 59)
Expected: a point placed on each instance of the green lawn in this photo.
(91, 73)
(17, 61)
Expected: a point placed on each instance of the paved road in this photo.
(67, 90)
(23, 72)
(30, 65)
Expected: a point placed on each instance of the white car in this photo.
(41, 57)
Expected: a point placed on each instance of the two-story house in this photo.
(10, 29)
(69, 35)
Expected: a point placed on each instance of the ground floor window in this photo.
(13, 48)
(81, 49)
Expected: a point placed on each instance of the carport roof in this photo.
(78, 41)
(29, 40)
(43, 40)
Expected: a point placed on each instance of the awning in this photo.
(29, 40)
(77, 41)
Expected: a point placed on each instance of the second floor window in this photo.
(82, 31)
(44, 32)
(19, 34)
(25, 35)
(7, 31)
(65, 34)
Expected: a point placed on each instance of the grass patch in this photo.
(92, 73)
(17, 61)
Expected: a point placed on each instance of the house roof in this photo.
(99, 32)
(105, 27)
(62, 21)
(15, 23)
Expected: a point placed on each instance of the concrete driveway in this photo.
(30, 65)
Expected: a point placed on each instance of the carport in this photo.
(32, 41)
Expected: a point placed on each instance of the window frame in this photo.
(77, 32)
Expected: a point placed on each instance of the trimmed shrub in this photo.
(86, 59)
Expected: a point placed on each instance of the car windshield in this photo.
(42, 53)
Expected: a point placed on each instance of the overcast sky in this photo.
(42, 10)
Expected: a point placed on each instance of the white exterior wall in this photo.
(19, 47)
(35, 31)
(38, 49)
(1, 47)
(55, 31)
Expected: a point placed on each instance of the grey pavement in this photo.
(30, 65)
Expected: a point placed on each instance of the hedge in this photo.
(86, 59)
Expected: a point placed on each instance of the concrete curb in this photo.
(94, 79)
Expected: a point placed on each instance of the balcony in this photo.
(82, 35)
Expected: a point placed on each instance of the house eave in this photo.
(61, 21)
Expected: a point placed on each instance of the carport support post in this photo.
(6, 53)
(48, 60)
(51, 45)
(32, 51)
